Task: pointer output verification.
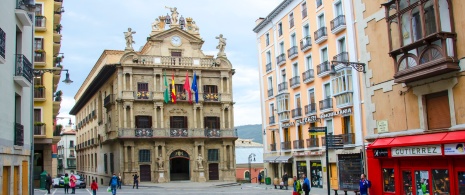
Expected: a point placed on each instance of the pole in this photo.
(327, 161)
(250, 169)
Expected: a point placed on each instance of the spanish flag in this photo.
(173, 90)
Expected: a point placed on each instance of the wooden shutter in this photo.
(185, 122)
(437, 109)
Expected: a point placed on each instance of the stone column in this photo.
(201, 117)
(120, 75)
(125, 116)
(221, 83)
(132, 116)
(154, 159)
(154, 118)
(119, 114)
(195, 116)
(161, 82)
(162, 123)
(229, 118)
(222, 117)
(124, 81)
(130, 82)
(231, 157)
(225, 157)
(125, 158)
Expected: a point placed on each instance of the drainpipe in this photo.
(31, 132)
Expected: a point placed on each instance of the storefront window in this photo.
(407, 182)
(388, 179)
(441, 181)
(316, 174)
(461, 181)
(301, 168)
(422, 182)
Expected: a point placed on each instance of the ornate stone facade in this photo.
(125, 126)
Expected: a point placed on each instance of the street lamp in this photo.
(251, 158)
(40, 72)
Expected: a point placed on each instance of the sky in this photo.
(91, 26)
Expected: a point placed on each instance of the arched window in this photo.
(247, 175)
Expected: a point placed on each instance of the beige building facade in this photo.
(124, 124)
(303, 87)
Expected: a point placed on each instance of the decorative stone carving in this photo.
(221, 45)
(161, 25)
(174, 15)
(178, 110)
(160, 163)
(129, 40)
(200, 161)
(156, 25)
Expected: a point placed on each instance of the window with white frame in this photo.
(342, 81)
(327, 91)
(338, 9)
(267, 39)
(291, 20)
(306, 30)
(311, 96)
(324, 54)
(283, 75)
(308, 63)
(38, 9)
(341, 44)
(321, 21)
(281, 47)
(280, 29)
(329, 125)
(297, 101)
(293, 41)
(270, 82)
(268, 57)
(271, 109)
(319, 3)
(295, 69)
(304, 9)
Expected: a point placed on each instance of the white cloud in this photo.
(67, 103)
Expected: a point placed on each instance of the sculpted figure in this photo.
(221, 45)
(155, 24)
(128, 37)
(160, 162)
(199, 161)
(174, 15)
(195, 28)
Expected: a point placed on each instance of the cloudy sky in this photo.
(91, 26)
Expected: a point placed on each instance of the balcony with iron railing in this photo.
(342, 57)
(109, 100)
(273, 147)
(326, 105)
(306, 43)
(2, 46)
(23, 71)
(308, 76)
(348, 138)
(282, 87)
(270, 93)
(175, 133)
(338, 24)
(294, 82)
(310, 109)
(313, 142)
(292, 52)
(298, 144)
(19, 134)
(286, 145)
(39, 93)
(209, 97)
(321, 35)
(39, 128)
(40, 24)
(296, 113)
(284, 116)
(268, 67)
(39, 57)
(271, 120)
(281, 59)
(23, 11)
(323, 69)
(143, 95)
(339, 141)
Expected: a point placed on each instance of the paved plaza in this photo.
(174, 188)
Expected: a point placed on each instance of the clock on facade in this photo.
(176, 41)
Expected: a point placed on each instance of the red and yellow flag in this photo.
(173, 90)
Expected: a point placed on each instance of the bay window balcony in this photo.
(343, 87)
(308, 76)
(338, 24)
(422, 39)
(306, 43)
(282, 101)
(292, 52)
(310, 109)
(283, 116)
(294, 82)
(296, 113)
(281, 59)
(323, 69)
(321, 35)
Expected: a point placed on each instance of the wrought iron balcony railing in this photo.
(211, 97)
(313, 142)
(271, 120)
(39, 92)
(339, 21)
(297, 112)
(19, 134)
(292, 52)
(338, 141)
(286, 145)
(273, 147)
(308, 75)
(110, 99)
(23, 67)
(294, 81)
(39, 129)
(298, 144)
(143, 95)
(282, 87)
(174, 132)
(320, 33)
(326, 104)
(281, 59)
(283, 116)
(270, 92)
(310, 109)
(2, 43)
(342, 57)
(348, 138)
(323, 68)
(306, 43)
(268, 67)
(39, 56)
(40, 21)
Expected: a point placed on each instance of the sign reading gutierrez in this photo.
(428, 150)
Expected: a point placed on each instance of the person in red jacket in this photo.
(94, 187)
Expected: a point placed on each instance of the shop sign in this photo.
(382, 126)
(345, 111)
(308, 153)
(310, 119)
(286, 125)
(381, 152)
(428, 150)
(454, 149)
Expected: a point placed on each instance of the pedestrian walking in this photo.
(48, 183)
(66, 183)
(94, 187)
(305, 184)
(120, 180)
(364, 185)
(113, 183)
(136, 181)
(259, 178)
(72, 183)
(297, 187)
(285, 179)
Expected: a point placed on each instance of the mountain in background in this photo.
(254, 132)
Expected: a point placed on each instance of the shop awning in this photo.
(425, 139)
(283, 159)
(270, 159)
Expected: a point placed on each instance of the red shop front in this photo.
(427, 164)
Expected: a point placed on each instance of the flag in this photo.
(166, 94)
(187, 87)
(194, 88)
(173, 90)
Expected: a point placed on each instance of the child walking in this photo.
(94, 187)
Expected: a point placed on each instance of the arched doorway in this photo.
(179, 165)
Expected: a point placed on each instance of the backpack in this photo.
(114, 181)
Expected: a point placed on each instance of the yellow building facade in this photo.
(302, 87)
(47, 74)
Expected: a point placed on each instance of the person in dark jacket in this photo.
(285, 179)
(136, 181)
(306, 184)
(48, 183)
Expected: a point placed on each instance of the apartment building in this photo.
(67, 151)
(16, 32)
(128, 123)
(47, 74)
(414, 88)
(303, 84)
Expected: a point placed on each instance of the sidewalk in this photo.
(313, 191)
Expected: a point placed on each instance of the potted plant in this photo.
(58, 95)
(39, 124)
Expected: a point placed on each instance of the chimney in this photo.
(259, 20)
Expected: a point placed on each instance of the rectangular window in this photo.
(267, 39)
(304, 9)
(71, 162)
(281, 47)
(112, 163)
(324, 54)
(341, 45)
(437, 110)
(144, 156)
(283, 75)
(338, 8)
(461, 182)
(287, 137)
(308, 63)
(321, 21)
(268, 57)
(143, 121)
(422, 181)
(311, 96)
(297, 101)
(272, 109)
(71, 144)
(37, 115)
(142, 87)
(270, 82)
(291, 20)
(295, 70)
(175, 54)
(293, 40)
(327, 91)
(319, 3)
(213, 155)
(346, 125)
(105, 167)
(280, 29)
(38, 43)
(178, 122)
(71, 153)
(210, 89)
(441, 181)
(306, 30)
(38, 9)
(329, 125)
(212, 122)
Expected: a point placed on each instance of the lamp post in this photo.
(251, 158)
(40, 72)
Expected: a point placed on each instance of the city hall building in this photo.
(134, 113)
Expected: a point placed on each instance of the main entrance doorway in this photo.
(179, 165)
(145, 173)
(213, 171)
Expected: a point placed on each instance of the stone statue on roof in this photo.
(129, 39)
(221, 45)
(174, 15)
